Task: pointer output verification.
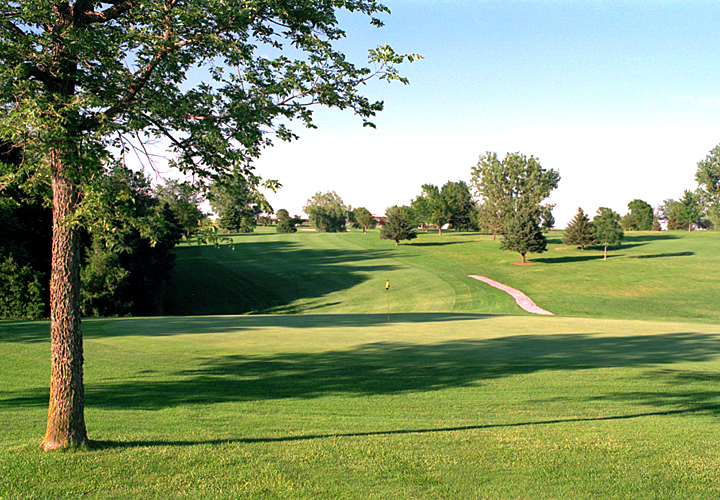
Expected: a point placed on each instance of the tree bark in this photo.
(66, 412)
(523, 258)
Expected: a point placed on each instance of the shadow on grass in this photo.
(263, 275)
(385, 368)
(573, 258)
(663, 255)
(39, 331)
(106, 444)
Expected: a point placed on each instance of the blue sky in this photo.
(622, 97)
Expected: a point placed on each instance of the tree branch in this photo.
(85, 15)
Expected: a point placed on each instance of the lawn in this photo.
(460, 395)
(653, 275)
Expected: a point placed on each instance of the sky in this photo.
(621, 97)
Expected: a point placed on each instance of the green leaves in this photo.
(213, 80)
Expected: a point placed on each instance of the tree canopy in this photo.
(327, 212)
(522, 234)
(608, 230)
(431, 207)
(640, 217)
(285, 223)
(708, 179)
(398, 225)
(363, 218)
(511, 185)
(86, 84)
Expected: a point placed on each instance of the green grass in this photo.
(460, 395)
(350, 406)
(668, 275)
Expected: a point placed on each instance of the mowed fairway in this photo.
(460, 395)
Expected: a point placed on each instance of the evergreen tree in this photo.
(579, 231)
(399, 225)
(608, 230)
(522, 234)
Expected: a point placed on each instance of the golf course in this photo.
(284, 369)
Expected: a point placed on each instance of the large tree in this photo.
(686, 213)
(461, 207)
(431, 207)
(640, 217)
(327, 212)
(511, 185)
(708, 178)
(608, 230)
(83, 83)
(237, 202)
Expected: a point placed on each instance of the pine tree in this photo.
(580, 231)
(522, 234)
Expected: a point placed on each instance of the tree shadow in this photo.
(655, 236)
(386, 368)
(574, 258)
(107, 444)
(262, 276)
(438, 243)
(166, 326)
(664, 255)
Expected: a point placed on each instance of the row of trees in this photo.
(126, 250)
(605, 229)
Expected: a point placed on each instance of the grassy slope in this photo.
(441, 402)
(652, 276)
(350, 406)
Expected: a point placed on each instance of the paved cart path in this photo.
(521, 299)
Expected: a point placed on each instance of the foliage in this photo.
(431, 207)
(608, 230)
(362, 217)
(327, 212)
(82, 89)
(522, 234)
(184, 200)
(580, 231)
(21, 294)
(398, 225)
(708, 178)
(506, 187)
(686, 213)
(285, 223)
(639, 218)
(461, 207)
(237, 202)
(128, 262)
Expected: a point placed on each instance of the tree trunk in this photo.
(66, 412)
(523, 258)
(605, 253)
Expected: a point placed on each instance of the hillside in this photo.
(668, 275)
